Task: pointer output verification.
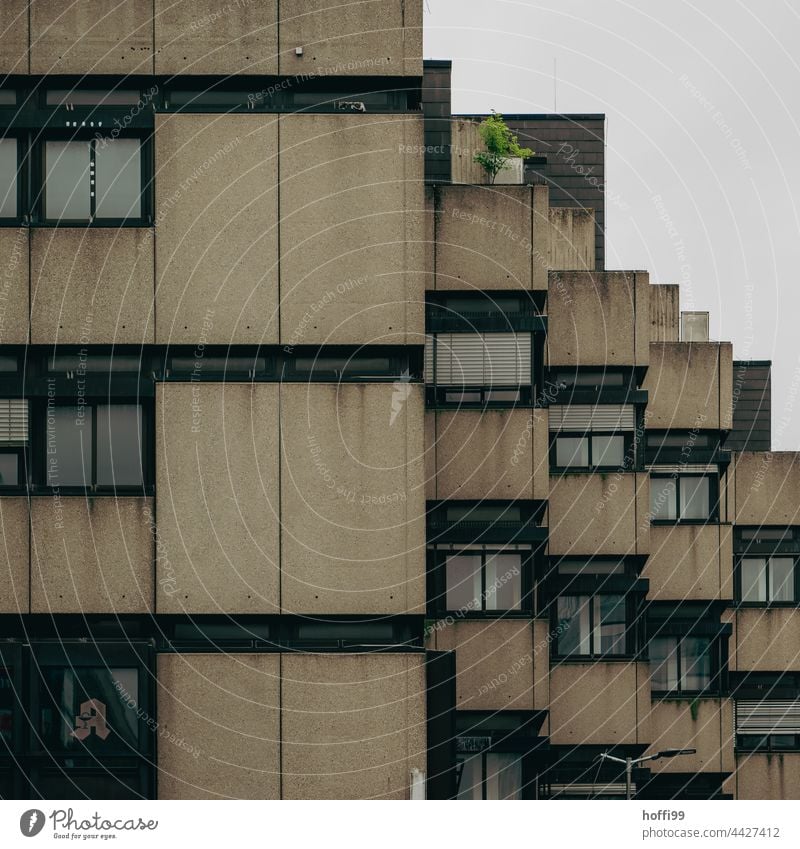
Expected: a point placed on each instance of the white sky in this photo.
(702, 101)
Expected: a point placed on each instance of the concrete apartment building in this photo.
(329, 471)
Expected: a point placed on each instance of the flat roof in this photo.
(532, 116)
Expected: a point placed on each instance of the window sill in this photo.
(768, 605)
(593, 658)
(684, 695)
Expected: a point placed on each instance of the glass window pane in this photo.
(503, 581)
(503, 776)
(573, 625)
(572, 451)
(471, 783)
(754, 579)
(591, 567)
(90, 708)
(9, 470)
(119, 178)
(67, 181)
(783, 741)
(92, 97)
(608, 450)
(695, 501)
(483, 513)
(662, 498)
(119, 445)
(696, 661)
(7, 700)
(664, 664)
(781, 579)
(8, 178)
(609, 618)
(69, 446)
(463, 575)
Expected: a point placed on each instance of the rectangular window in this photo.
(94, 445)
(682, 498)
(767, 580)
(490, 776)
(590, 451)
(483, 580)
(93, 179)
(9, 167)
(767, 725)
(680, 664)
(478, 359)
(592, 625)
(13, 441)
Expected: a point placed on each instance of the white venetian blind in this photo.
(592, 417)
(13, 421)
(768, 717)
(478, 359)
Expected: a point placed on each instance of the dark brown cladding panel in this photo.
(752, 407)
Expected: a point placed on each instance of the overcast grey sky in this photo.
(702, 101)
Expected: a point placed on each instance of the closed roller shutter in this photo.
(13, 421)
(768, 717)
(478, 359)
(582, 417)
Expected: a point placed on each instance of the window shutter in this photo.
(768, 717)
(13, 421)
(479, 359)
(582, 417)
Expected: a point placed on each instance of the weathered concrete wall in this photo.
(763, 776)
(766, 488)
(14, 37)
(707, 727)
(92, 286)
(15, 555)
(665, 312)
(14, 286)
(572, 238)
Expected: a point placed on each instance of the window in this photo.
(92, 97)
(768, 580)
(767, 726)
(680, 664)
(683, 498)
(94, 446)
(9, 171)
(92, 179)
(483, 580)
(590, 379)
(591, 625)
(591, 451)
(479, 368)
(489, 775)
(13, 441)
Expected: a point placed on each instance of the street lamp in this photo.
(629, 762)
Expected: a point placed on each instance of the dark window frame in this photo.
(764, 743)
(713, 498)
(38, 437)
(21, 137)
(84, 134)
(437, 555)
(627, 464)
(632, 607)
(766, 603)
(715, 673)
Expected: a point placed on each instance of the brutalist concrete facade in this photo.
(326, 474)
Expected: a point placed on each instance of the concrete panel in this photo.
(766, 640)
(497, 664)
(217, 228)
(596, 704)
(217, 483)
(353, 500)
(598, 318)
(684, 384)
(216, 37)
(91, 555)
(14, 37)
(483, 237)
(92, 286)
(15, 555)
(599, 514)
(219, 726)
(91, 37)
(702, 724)
(14, 286)
(766, 487)
(375, 38)
(572, 234)
(763, 776)
(665, 312)
(492, 454)
(430, 455)
(690, 562)
(353, 725)
(725, 385)
(352, 229)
